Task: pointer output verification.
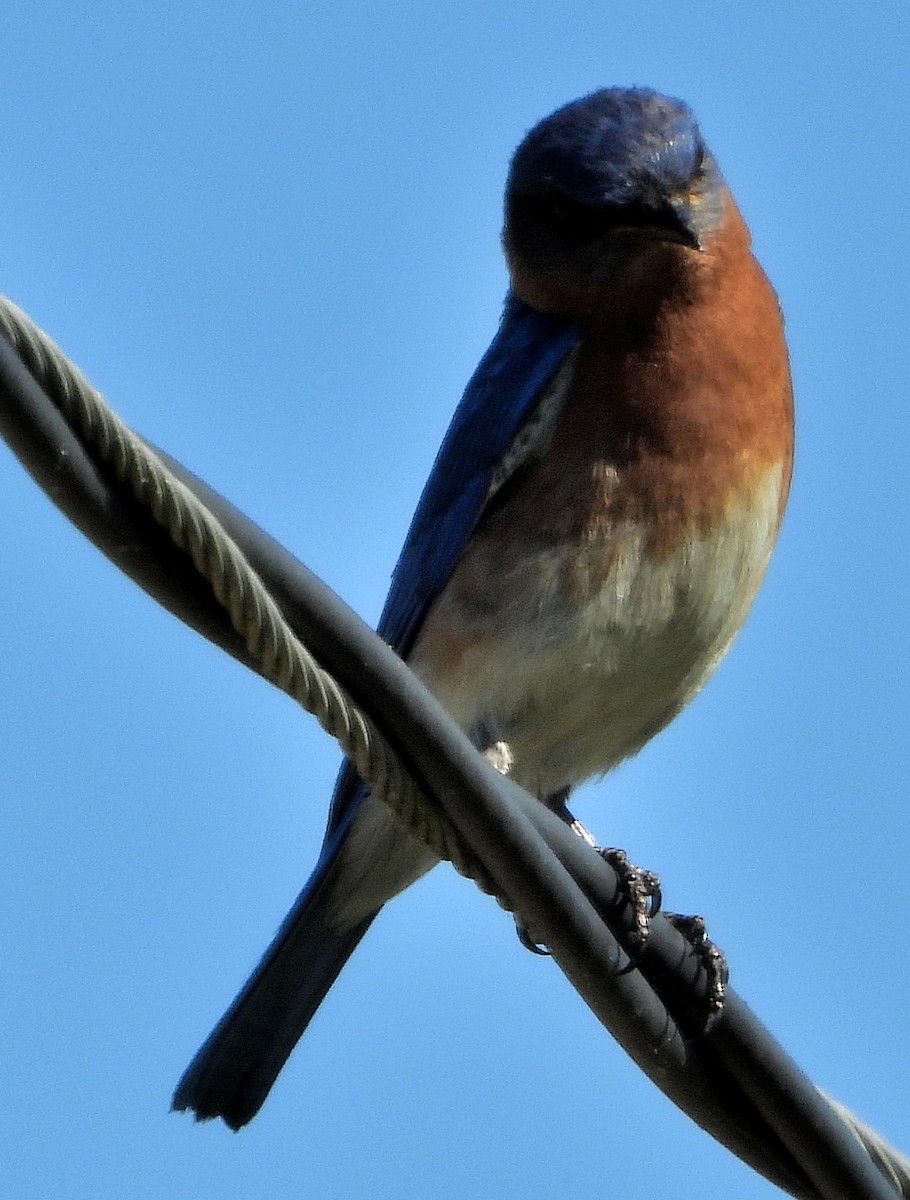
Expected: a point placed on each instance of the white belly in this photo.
(574, 688)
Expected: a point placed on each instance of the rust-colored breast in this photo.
(680, 402)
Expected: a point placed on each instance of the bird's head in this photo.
(611, 188)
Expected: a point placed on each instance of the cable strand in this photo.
(284, 660)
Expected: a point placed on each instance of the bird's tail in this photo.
(234, 1070)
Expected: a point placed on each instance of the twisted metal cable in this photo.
(284, 659)
(894, 1165)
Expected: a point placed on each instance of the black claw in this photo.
(528, 942)
(652, 882)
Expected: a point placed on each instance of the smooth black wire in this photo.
(736, 1081)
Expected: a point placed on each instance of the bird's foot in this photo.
(712, 959)
(639, 889)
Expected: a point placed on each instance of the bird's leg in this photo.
(638, 888)
(557, 802)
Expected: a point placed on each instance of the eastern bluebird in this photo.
(594, 529)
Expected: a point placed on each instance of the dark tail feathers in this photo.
(234, 1070)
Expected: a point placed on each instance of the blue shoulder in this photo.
(528, 349)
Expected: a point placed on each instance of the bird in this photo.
(592, 534)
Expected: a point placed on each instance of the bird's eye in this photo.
(557, 212)
(572, 219)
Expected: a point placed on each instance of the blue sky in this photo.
(270, 236)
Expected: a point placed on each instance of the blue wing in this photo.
(528, 349)
(513, 375)
(232, 1073)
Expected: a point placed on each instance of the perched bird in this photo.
(594, 530)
